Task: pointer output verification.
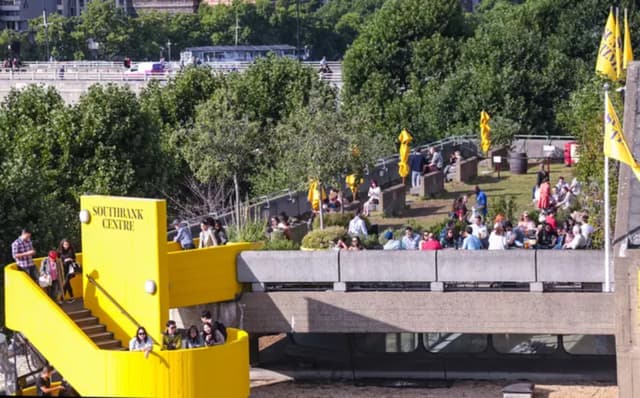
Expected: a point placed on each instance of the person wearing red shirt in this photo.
(429, 242)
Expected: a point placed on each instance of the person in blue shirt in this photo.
(481, 201)
(470, 241)
(417, 164)
(183, 236)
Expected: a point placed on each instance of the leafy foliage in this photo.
(323, 238)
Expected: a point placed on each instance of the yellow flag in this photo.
(314, 196)
(485, 132)
(353, 182)
(405, 139)
(615, 146)
(618, 40)
(606, 62)
(628, 51)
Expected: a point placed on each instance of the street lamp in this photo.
(46, 33)
(169, 49)
(298, 29)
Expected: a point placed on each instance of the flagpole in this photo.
(607, 241)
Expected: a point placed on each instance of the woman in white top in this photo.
(497, 238)
(374, 197)
(141, 342)
(207, 236)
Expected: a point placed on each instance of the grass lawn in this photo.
(428, 212)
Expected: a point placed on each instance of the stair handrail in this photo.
(121, 308)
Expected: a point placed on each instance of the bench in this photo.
(393, 200)
(466, 170)
(432, 184)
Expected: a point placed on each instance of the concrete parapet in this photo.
(388, 266)
(486, 266)
(570, 266)
(287, 266)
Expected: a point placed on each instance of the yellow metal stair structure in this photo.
(131, 277)
(92, 327)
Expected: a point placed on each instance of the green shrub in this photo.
(250, 232)
(323, 238)
(281, 244)
(505, 205)
(371, 242)
(437, 228)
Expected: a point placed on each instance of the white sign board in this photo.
(497, 159)
(548, 148)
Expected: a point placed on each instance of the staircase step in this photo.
(93, 329)
(79, 314)
(86, 321)
(109, 344)
(101, 336)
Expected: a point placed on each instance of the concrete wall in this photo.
(69, 90)
(626, 248)
(522, 266)
(455, 312)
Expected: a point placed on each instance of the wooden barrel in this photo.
(518, 163)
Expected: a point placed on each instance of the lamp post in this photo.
(298, 29)
(169, 49)
(46, 34)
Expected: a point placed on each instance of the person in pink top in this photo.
(545, 194)
(429, 242)
(53, 267)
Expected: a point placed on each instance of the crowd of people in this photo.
(469, 229)
(212, 233)
(56, 270)
(213, 333)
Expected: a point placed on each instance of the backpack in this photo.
(219, 326)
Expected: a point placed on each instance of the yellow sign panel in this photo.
(125, 252)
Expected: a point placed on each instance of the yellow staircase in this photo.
(83, 342)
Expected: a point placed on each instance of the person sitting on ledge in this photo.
(429, 242)
(141, 342)
(410, 239)
(374, 198)
(357, 226)
(391, 242)
(470, 242)
(171, 338)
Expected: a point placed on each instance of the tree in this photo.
(34, 127)
(117, 147)
(107, 25)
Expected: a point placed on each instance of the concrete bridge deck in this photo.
(513, 291)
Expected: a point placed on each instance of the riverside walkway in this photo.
(79, 76)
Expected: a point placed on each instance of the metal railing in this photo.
(109, 72)
(114, 302)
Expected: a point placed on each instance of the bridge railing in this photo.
(50, 72)
(443, 270)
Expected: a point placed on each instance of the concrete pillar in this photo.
(627, 257)
(254, 349)
(627, 325)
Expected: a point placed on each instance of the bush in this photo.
(250, 232)
(338, 220)
(371, 242)
(436, 229)
(505, 205)
(281, 244)
(323, 238)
